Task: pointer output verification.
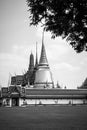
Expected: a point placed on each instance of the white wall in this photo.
(50, 101)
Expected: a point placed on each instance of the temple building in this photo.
(18, 79)
(38, 75)
(28, 77)
(36, 86)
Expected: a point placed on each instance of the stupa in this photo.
(43, 76)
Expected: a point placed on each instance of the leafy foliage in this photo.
(66, 18)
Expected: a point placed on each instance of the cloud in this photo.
(39, 32)
(54, 47)
(55, 50)
(66, 66)
(19, 49)
(67, 74)
(23, 49)
(11, 63)
(83, 62)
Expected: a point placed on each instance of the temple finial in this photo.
(36, 56)
(31, 51)
(43, 36)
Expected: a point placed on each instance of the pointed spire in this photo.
(43, 58)
(43, 36)
(31, 62)
(36, 63)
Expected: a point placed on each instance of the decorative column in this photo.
(10, 102)
(20, 102)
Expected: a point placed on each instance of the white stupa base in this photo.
(43, 85)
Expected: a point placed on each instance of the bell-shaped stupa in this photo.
(43, 75)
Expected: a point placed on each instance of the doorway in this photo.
(15, 101)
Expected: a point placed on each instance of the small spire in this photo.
(31, 61)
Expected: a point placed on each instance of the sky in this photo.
(18, 39)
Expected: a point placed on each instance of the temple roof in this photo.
(84, 85)
(55, 91)
(55, 94)
(85, 82)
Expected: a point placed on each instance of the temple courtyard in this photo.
(44, 117)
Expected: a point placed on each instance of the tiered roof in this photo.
(84, 85)
(52, 93)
